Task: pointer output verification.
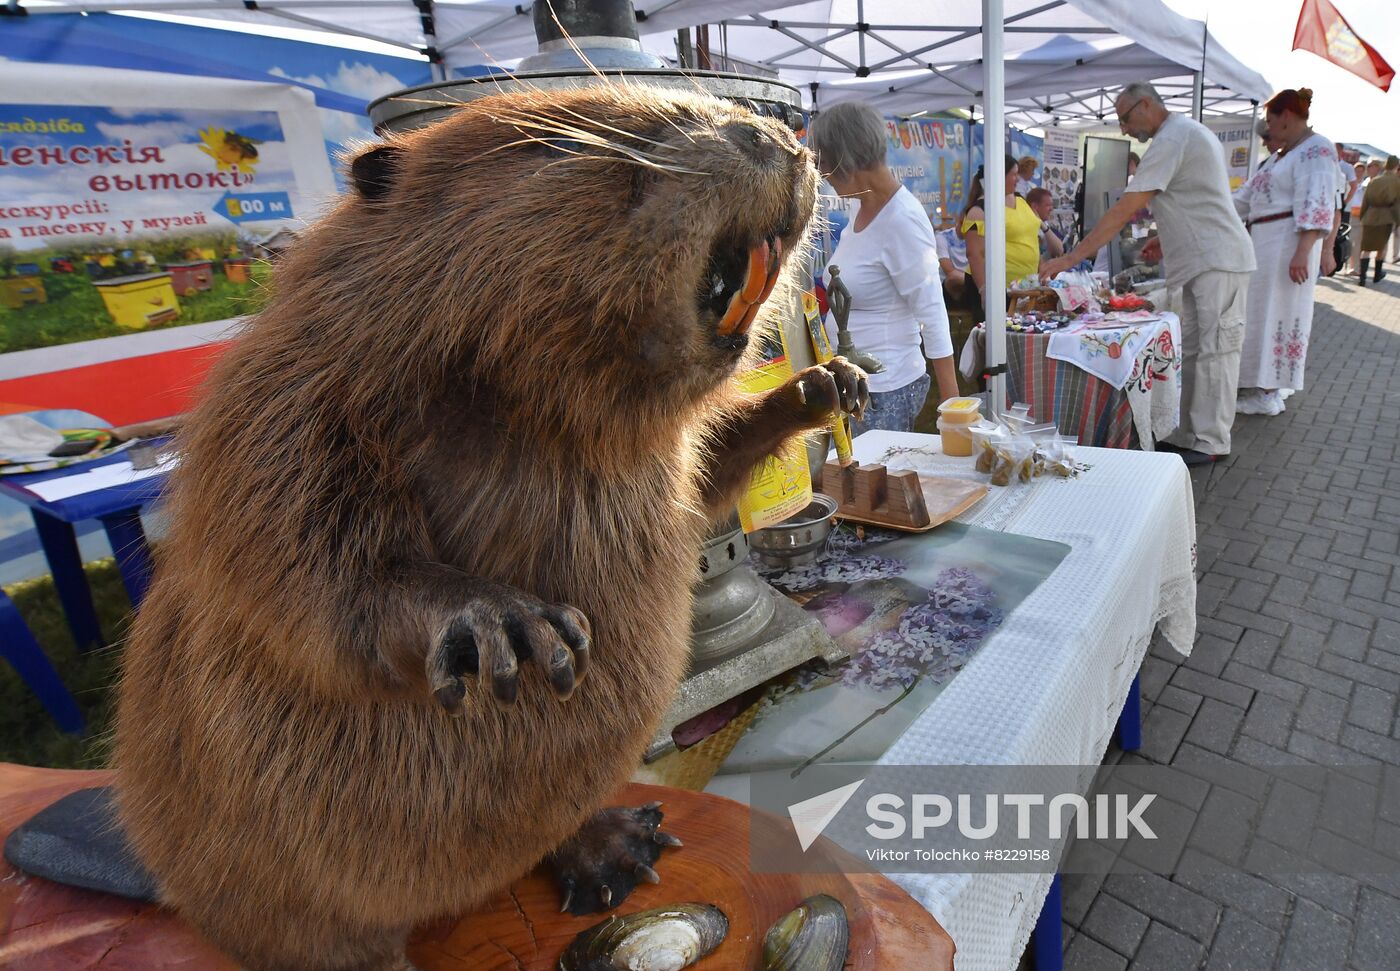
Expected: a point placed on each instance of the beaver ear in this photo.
(373, 171)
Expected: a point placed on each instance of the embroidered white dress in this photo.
(1303, 183)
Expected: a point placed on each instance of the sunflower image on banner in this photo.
(231, 151)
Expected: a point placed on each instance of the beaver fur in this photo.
(485, 402)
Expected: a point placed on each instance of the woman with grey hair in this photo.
(889, 262)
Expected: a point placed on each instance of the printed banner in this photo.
(1061, 174)
(780, 486)
(1237, 138)
(130, 216)
(1019, 144)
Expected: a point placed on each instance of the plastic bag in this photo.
(986, 436)
(1058, 455)
(1015, 459)
(1075, 290)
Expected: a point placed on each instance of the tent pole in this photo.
(427, 21)
(684, 52)
(994, 205)
(1253, 137)
(1197, 99)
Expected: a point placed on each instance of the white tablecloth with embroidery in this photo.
(1145, 375)
(1047, 688)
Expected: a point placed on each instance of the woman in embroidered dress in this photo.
(1290, 209)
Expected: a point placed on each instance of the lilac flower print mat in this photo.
(912, 610)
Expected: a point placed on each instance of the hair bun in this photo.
(1305, 95)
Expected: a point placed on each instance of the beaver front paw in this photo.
(493, 632)
(836, 386)
(605, 860)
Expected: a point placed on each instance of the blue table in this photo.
(118, 508)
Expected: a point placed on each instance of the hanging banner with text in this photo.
(138, 211)
(1236, 137)
(149, 209)
(1061, 173)
(1019, 145)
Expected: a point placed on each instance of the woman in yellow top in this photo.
(1022, 231)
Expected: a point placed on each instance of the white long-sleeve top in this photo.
(891, 269)
(1302, 181)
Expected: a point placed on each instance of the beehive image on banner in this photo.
(129, 216)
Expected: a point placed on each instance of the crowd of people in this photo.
(1371, 201)
(1245, 262)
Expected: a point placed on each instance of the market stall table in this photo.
(105, 489)
(1143, 411)
(1049, 685)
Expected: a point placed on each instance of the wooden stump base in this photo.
(48, 927)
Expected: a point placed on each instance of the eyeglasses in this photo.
(1123, 118)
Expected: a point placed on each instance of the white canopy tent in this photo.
(1046, 61)
(1050, 61)
(907, 55)
(453, 33)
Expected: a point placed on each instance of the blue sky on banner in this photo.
(342, 80)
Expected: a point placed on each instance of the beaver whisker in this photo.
(578, 157)
(672, 122)
(496, 79)
(554, 126)
(571, 134)
(572, 46)
(561, 144)
(423, 101)
(601, 124)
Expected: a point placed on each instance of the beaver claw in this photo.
(836, 386)
(497, 629)
(605, 860)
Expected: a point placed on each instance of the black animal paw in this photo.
(614, 851)
(837, 386)
(498, 628)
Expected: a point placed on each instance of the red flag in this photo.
(1326, 33)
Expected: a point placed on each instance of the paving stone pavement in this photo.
(1297, 659)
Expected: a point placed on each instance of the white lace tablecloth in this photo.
(1047, 688)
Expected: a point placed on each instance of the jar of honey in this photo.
(956, 416)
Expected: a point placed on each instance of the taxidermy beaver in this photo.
(426, 591)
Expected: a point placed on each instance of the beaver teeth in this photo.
(761, 274)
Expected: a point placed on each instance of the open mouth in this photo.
(737, 281)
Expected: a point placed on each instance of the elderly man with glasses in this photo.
(1205, 251)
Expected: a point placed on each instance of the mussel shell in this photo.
(662, 939)
(814, 936)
